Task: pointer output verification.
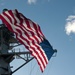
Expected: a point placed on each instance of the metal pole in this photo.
(4, 65)
(22, 65)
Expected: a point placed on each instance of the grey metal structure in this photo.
(6, 57)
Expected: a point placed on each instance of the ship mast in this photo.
(6, 57)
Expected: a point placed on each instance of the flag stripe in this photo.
(4, 19)
(32, 32)
(32, 26)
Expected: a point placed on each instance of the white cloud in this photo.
(32, 1)
(70, 25)
(71, 17)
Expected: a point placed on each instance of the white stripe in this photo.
(35, 55)
(17, 19)
(39, 54)
(33, 29)
(7, 20)
(39, 31)
(10, 17)
(30, 34)
(31, 25)
(43, 52)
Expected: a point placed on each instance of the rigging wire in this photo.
(50, 66)
(46, 72)
(37, 71)
(32, 68)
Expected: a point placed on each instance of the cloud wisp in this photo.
(70, 25)
(32, 1)
(2, 3)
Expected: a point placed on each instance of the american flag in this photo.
(28, 33)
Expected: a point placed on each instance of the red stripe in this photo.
(11, 13)
(28, 25)
(22, 42)
(38, 55)
(6, 23)
(41, 53)
(40, 30)
(36, 30)
(5, 14)
(38, 48)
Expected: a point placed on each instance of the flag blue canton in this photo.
(47, 48)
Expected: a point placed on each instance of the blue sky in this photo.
(57, 21)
